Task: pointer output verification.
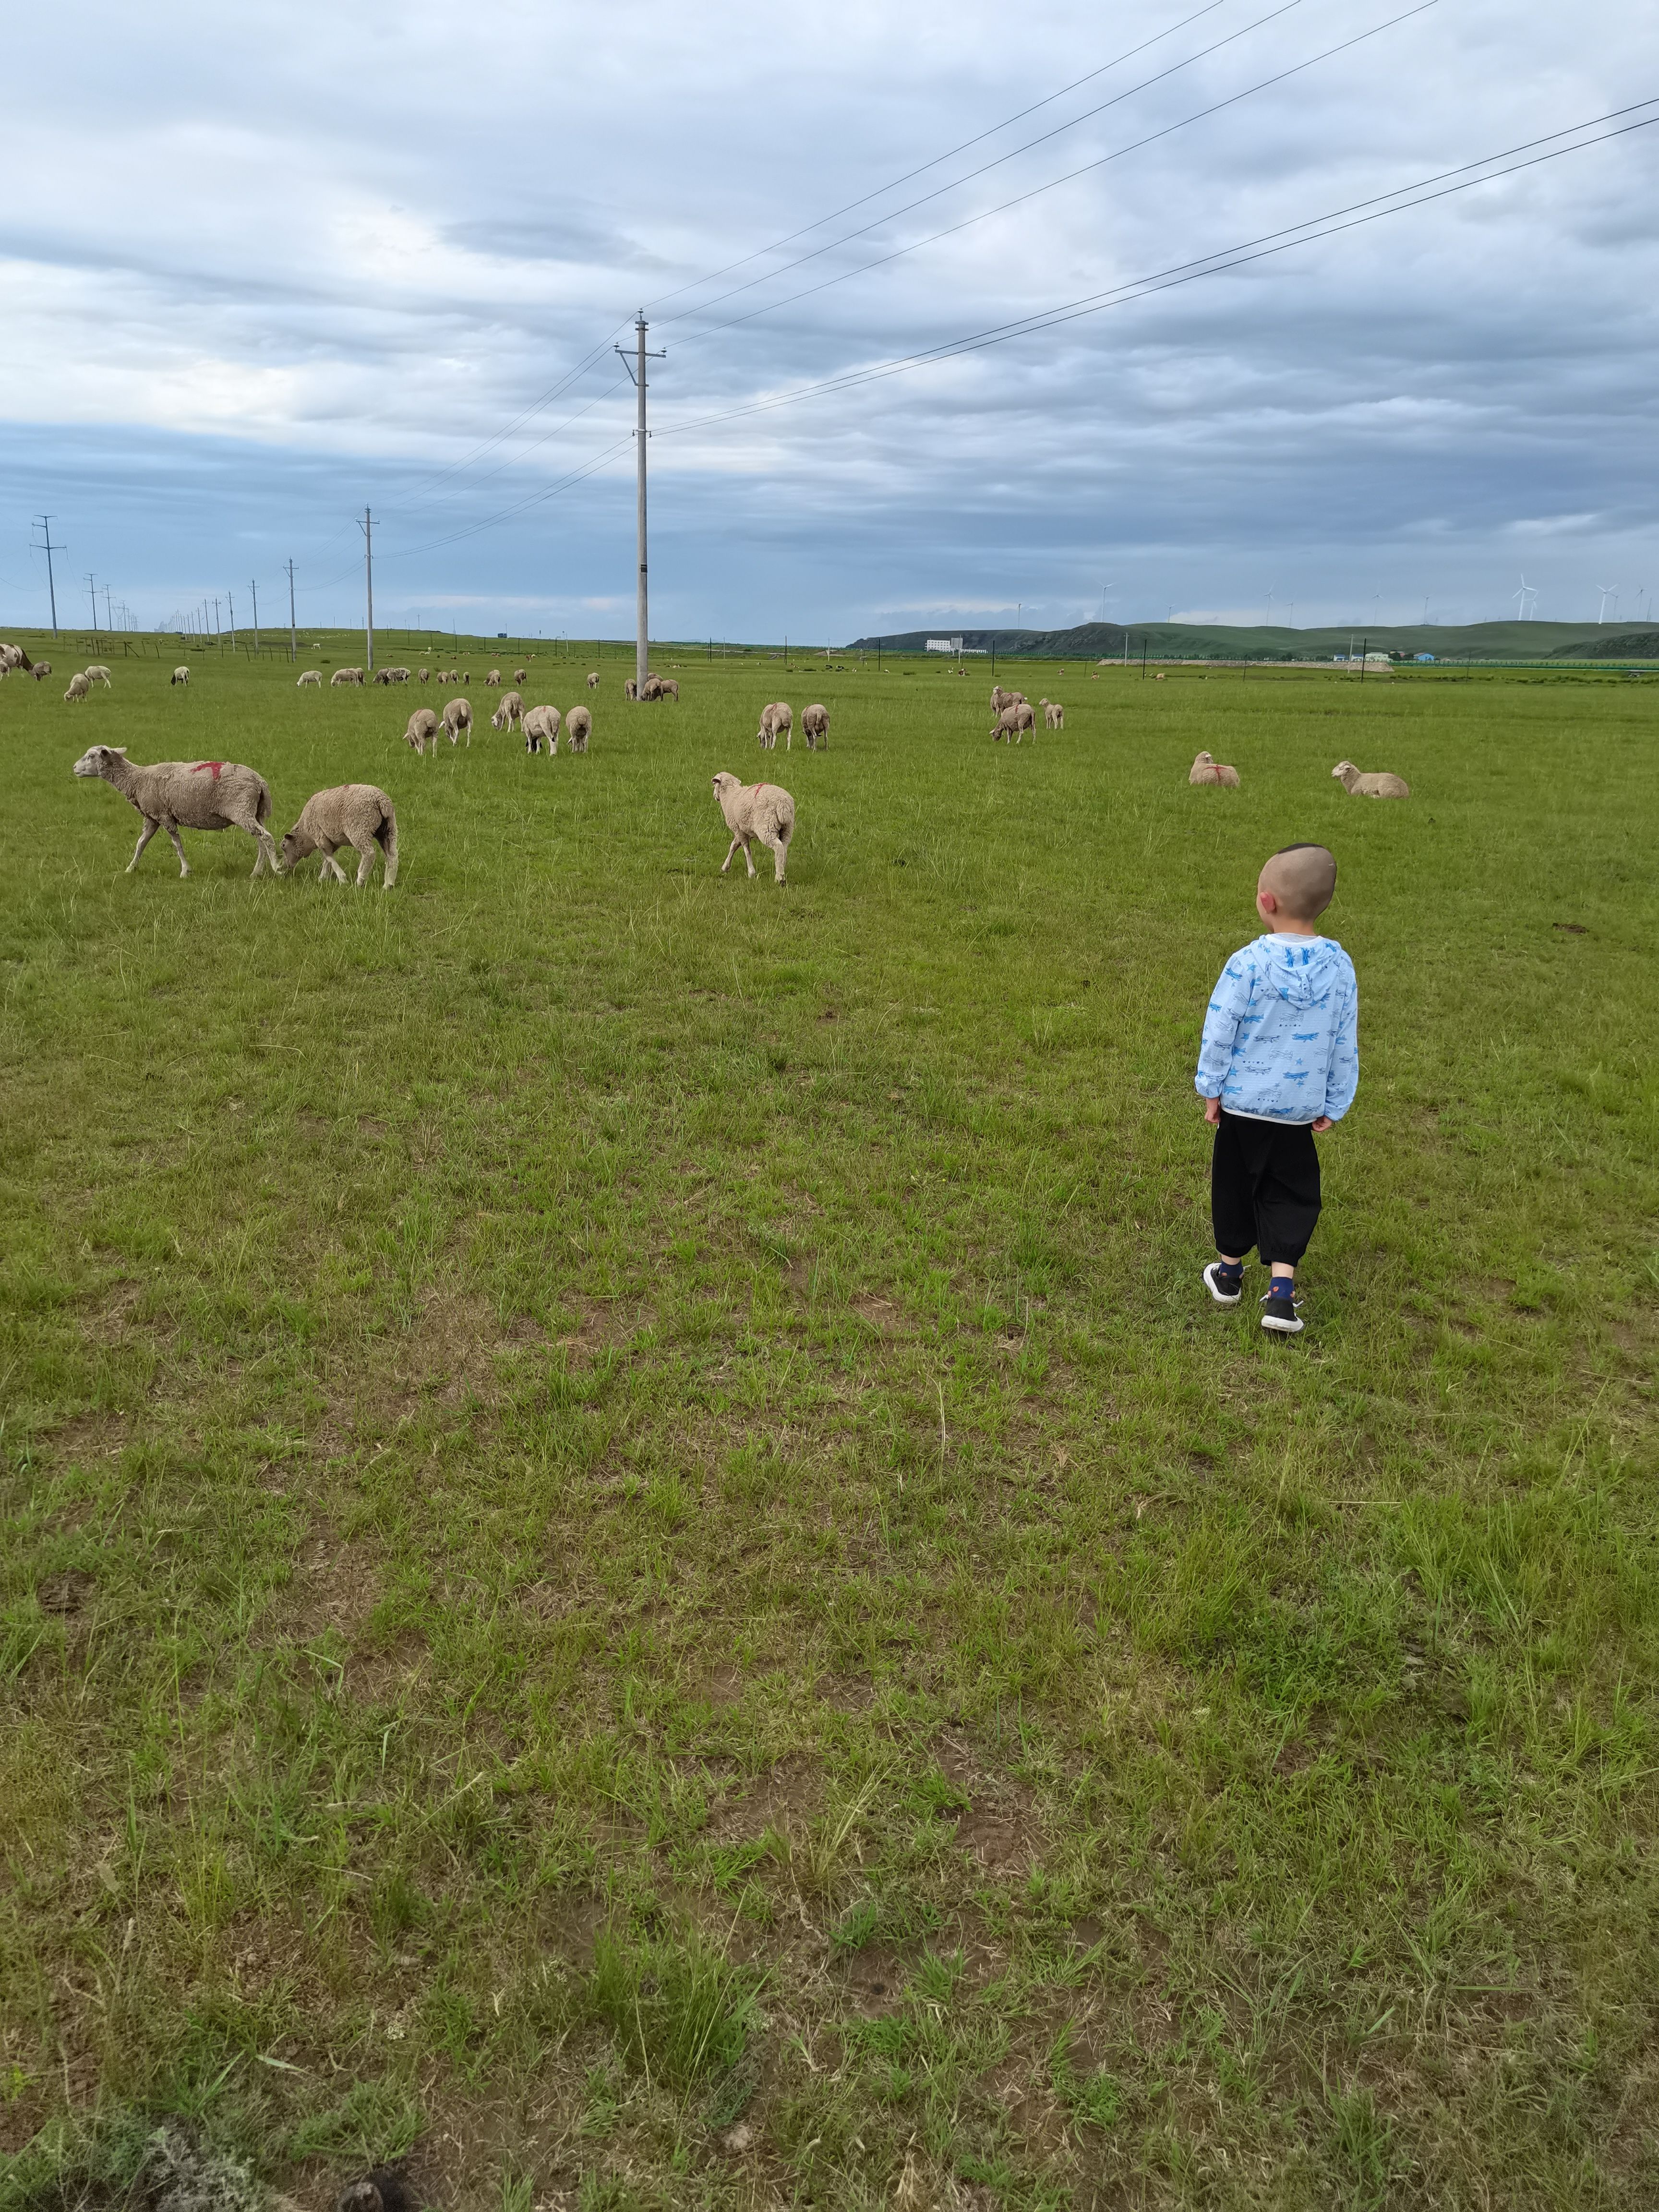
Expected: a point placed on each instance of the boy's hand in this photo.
(1212, 1113)
(1321, 1122)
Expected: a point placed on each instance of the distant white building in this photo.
(945, 645)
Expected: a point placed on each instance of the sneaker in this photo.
(1215, 1284)
(1281, 1315)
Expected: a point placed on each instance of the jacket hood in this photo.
(1300, 970)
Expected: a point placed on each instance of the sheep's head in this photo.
(1344, 768)
(293, 849)
(97, 759)
(725, 782)
(1204, 760)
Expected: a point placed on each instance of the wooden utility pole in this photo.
(367, 526)
(642, 600)
(293, 642)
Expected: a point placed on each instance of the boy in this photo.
(1280, 1063)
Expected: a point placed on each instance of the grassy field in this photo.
(634, 1562)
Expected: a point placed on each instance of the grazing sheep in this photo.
(1001, 699)
(41, 670)
(12, 656)
(518, 674)
(815, 728)
(310, 676)
(578, 728)
(593, 679)
(1381, 784)
(630, 690)
(466, 679)
(426, 676)
(1013, 722)
(78, 688)
(777, 720)
(422, 730)
(1054, 714)
(180, 675)
(1205, 769)
(510, 712)
(651, 688)
(458, 716)
(541, 726)
(354, 814)
(346, 676)
(493, 681)
(763, 810)
(98, 674)
(171, 795)
(667, 688)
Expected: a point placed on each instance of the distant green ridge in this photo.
(1498, 641)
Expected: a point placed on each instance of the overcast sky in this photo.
(266, 265)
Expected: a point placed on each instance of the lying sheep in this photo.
(78, 688)
(578, 728)
(493, 681)
(171, 795)
(41, 670)
(310, 676)
(1001, 700)
(510, 712)
(593, 679)
(458, 716)
(763, 810)
(354, 814)
(815, 728)
(1205, 769)
(180, 675)
(1013, 722)
(1054, 714)
(777, 721)
(98, 674)
(422, 730)
(1380, 784)
(541, 726)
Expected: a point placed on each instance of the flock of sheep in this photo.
(1206, 770)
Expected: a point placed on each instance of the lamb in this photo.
(777, 720)
(78, 688)
(578, 728)
(815, 727)
(188, 794)
(510, 712)
(458, 716)
(42, 669)
(1001, 699)
(541, 726)
(668, 689)
(423, 729)
(763, 810)
(593, 679)
(1381, 784)
(1054, 714)
(630, 690)
(98, 674)
(493, 681)
(310, 676)
(1205, 769)
(180, 675)
(354, 814)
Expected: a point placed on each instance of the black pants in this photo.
(1264, 1189)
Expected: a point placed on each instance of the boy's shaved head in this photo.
(1303, 880)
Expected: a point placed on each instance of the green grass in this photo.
(633, 1559)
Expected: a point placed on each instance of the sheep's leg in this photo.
(178, 848)
(144, 836)
(365, 853)
(267, 853)
(779, 855)
(730, 849)
(748, 856)
(331, 870)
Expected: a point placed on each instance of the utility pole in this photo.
(254, 588)
(231, 603)
(216, 618)
(367, 526)
(293, 642)
(92, 593)
(49, 549)
(642, 602)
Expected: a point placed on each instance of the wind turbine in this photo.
(1608, 591)
(1103, 590)
(1526, 590)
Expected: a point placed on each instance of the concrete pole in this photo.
(642, 606)
(368, 575)
(292, 638)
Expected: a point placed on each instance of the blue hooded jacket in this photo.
(1282, 1039)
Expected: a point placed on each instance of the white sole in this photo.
(1221, 1297)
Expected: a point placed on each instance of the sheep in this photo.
(777, 720)
(188, 794)
(310, 676)
(815, 727)
(593, 679)
(78, 689)
(345, 676)
(1206, 769)
(180, 675)
(422, 730)
(651, 688)
(1013, 722)
(458, 716)
(12, 656)
(765, 811)
(578, 728)
(98, 674)
(493, 681)
(541, 726)
(355, 814)
(41, 670)
(510, 712)
(1000, 699)
(518, 674)
(426, 676)
(1381, 784)
(630, 690)
(668, 689)
(1054, 714)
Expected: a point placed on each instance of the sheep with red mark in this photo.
(174, 795)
